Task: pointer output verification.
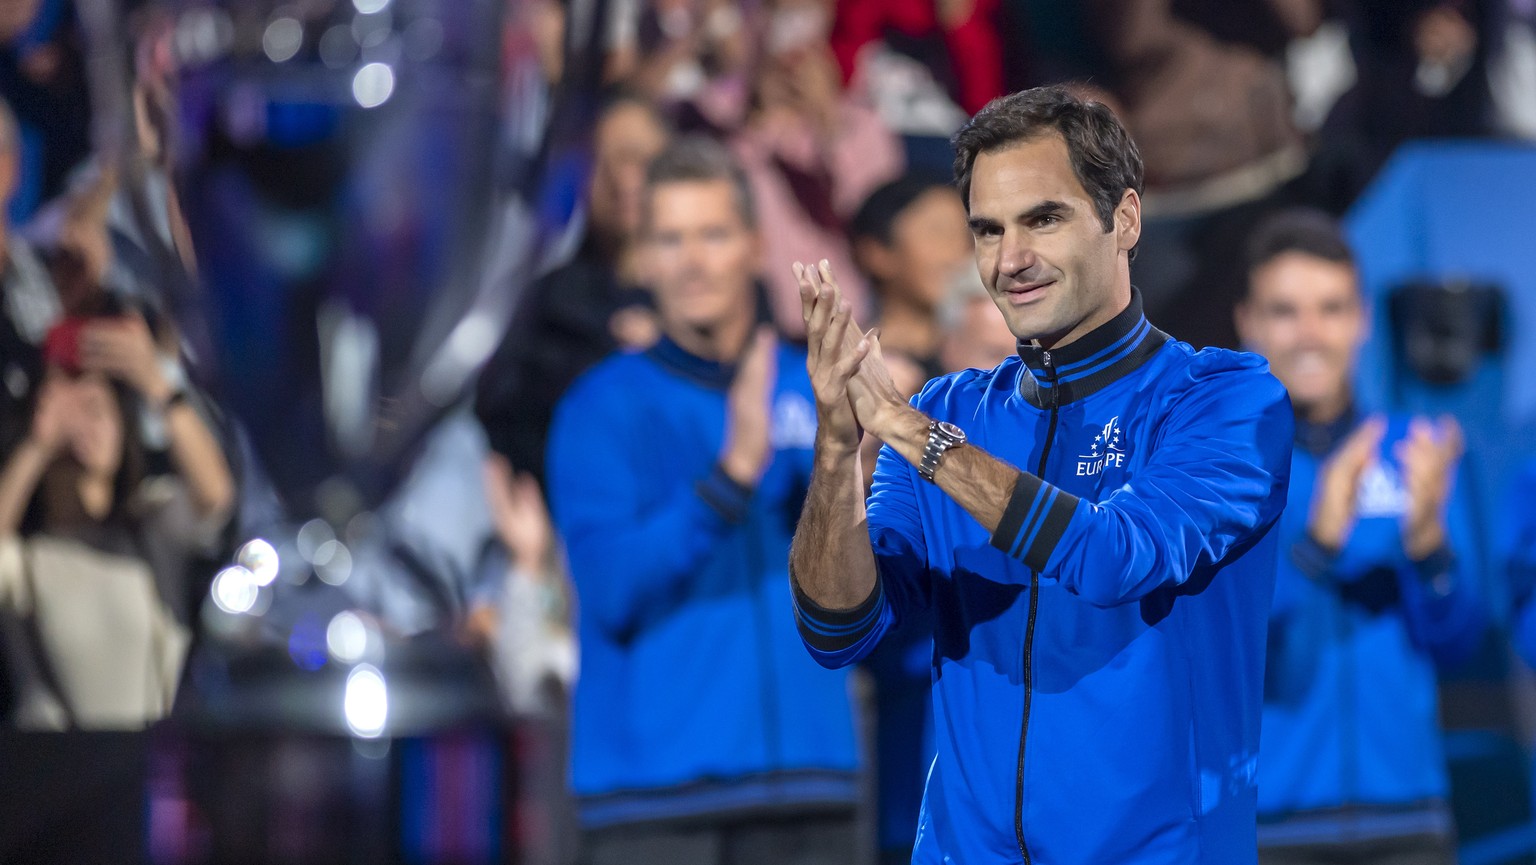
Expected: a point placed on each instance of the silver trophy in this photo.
(337, 202)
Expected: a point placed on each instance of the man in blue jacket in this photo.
(1376, 583)
(701, 731)
(1088, 523)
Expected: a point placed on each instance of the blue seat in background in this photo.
(1458, 211)
(1465, 212)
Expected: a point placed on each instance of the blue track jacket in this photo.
(1098, 660)
(1351, 745)
(695, 696)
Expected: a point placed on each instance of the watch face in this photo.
(949, 430)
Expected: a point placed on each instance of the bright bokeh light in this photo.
(347, 637)
(283, 39)
(260, 558)
(373, 84)
(234, 590)
(366, 703)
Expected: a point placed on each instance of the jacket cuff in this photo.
(835, 630)
(724, 496)
(1437, 572)
(1314, 560)
(1034, 521)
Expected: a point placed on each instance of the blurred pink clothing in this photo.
(805, 191)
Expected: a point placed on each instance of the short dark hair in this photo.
(697, 158)
(1103, 156)
(876, 217)
(1297, 229)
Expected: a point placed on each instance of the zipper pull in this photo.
(1045, 358)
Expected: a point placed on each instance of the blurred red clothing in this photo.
(975, 49)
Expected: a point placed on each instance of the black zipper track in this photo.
(1029, 627)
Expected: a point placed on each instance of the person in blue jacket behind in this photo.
(701, 731)
(1088, 523)
(1377, 585)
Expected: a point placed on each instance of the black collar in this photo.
(1089, 364)
(674, 358)
(1319, 439)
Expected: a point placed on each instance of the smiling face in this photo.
(1041, 249)
(700, 254)
(1305, 314)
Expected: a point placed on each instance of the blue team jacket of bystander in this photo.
(695, 696)
(1351, 740)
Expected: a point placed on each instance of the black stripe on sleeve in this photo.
(834, 630)
(726, 497)
(1060, 506)
(1006, 536)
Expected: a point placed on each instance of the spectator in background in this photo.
(813, 153)
(522, 616)
(958, 41)
(702, 733)
(575, 315)
(1421, 71)
(73, 231)
(976, 336)
(911, 240)
(93, 551)
(1377, 581)
(690, 58)
(29, 304)
(1209, 110)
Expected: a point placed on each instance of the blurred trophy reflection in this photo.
(330, 198)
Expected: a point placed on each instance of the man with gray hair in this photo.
(702, 732)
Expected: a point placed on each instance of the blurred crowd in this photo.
(604, 517)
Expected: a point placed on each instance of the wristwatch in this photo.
(942, 436)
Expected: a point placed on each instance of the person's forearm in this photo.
(199, 460)
(831, 559)
(978, 481)
(18, 482)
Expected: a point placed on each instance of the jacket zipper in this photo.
(1029, 626)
